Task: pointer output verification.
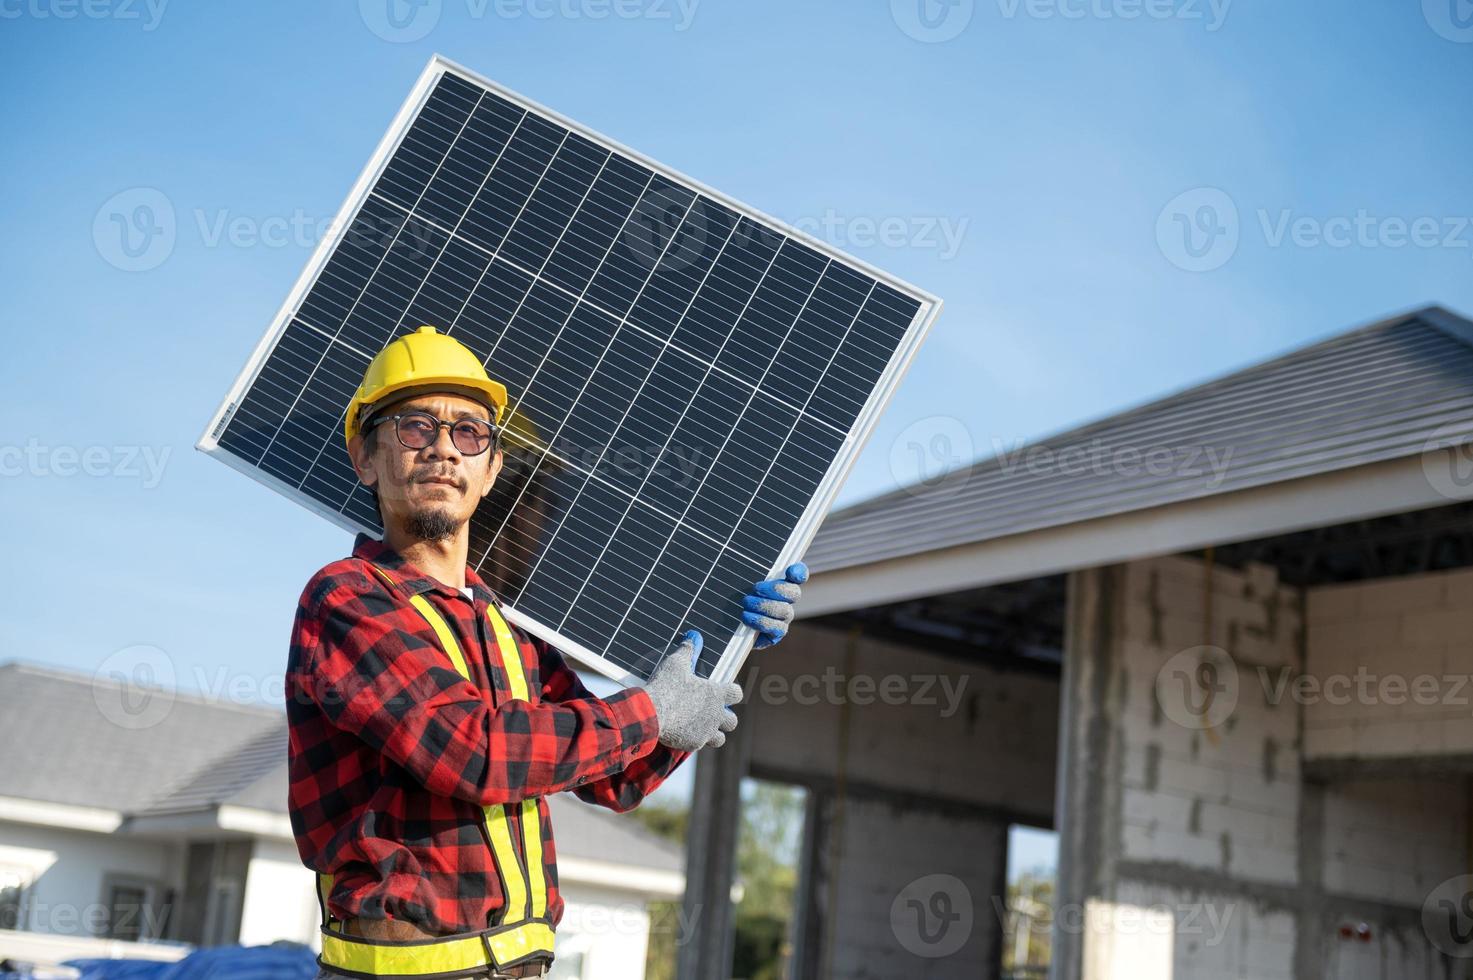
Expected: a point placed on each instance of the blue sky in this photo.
(1037, 164)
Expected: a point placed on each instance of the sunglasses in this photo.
(419, 430)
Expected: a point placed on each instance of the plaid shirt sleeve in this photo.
(622, 790)
(374, 677)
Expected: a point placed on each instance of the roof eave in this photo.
(1355, 493)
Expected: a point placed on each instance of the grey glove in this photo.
(693, 711)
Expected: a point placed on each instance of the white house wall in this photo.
(280, 897)
(609, 927)
(68, 896)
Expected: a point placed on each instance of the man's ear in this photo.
(363, 463)
(493, 470)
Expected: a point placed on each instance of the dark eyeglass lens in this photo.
(417, 431)
(470, 437)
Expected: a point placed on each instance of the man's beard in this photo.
(431, 524)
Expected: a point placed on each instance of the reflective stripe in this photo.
(442, 630)
(523, 930)
(450, 955)
(532, 847)
(324, 889)
(516, 679)
(511, 658)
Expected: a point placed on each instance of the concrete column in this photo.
(1085, 758)
(710, 857)
(811, 905)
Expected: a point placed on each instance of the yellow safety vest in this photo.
(525, 930)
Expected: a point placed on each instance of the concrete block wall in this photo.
(1219, 796)
(1394, 840)
(1208, 936)
(1391, 665)
(913, 795)
(885, 922)
(1204, 810)
(947, 730)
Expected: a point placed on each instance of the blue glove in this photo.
(769, 606)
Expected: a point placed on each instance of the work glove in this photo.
(769, 606)
(693, 711)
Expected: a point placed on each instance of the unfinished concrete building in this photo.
(1219, 643)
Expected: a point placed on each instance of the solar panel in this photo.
(689, 379)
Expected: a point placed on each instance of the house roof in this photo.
(202, 754)
(87, 740)
(1379, 392)
(251, 774)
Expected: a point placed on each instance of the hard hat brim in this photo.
(490, 393)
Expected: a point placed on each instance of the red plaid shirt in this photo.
(392, 753)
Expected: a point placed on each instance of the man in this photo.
(425, 732)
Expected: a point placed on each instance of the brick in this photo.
(1333, 603)
(1457, 735)
(1277, 865)
(1458, 590)
(1327, 741)
(1261, 578)
(1429, 626)
(1406, 594)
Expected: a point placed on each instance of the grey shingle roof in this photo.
(71, 738)
(251, 774)
(592, 832)
(1374, 393)
(63, 748)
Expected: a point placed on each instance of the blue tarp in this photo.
(277, 962)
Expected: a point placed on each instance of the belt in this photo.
(539, 967)
(377, 949)
(398, 930)
(532, 968)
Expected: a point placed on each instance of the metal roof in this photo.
(1378, 392)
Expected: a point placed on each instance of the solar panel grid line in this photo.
(487, 554)
(733, 375)
(364, 290)
(730, 332)
(602, 356)
(772, 461)
(665, 547)
(500, 153)
(788, 437)
(572, 605)
(572, 312)
(450, 232)
(664, 446)
(592, 471)
(615, 324)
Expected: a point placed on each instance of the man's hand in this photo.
(769, 606)
(693, 711)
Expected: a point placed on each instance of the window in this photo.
(130, 908)
(15, 894)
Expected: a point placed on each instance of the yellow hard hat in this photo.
(423, 359)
